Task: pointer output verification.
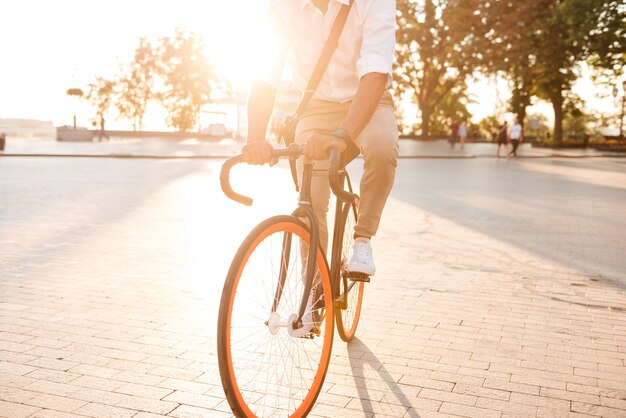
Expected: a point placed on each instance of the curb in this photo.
(199, 157)
(121, 156)
(222, 156)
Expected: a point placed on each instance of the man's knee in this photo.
(382, 154)
(379, 141)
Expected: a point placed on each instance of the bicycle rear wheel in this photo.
(350, 296)
(265, 369)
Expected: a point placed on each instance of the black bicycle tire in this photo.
(225, 304)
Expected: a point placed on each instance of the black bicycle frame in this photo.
(305, 210)
(345, 201)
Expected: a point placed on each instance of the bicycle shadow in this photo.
(357, 365)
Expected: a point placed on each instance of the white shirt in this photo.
(366, 45)
(515, 131)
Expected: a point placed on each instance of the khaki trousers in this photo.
(378, 143)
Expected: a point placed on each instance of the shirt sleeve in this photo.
(379, 39)
(273, 47)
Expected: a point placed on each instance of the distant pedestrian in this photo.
(503, 136)
(463, 134)
(516, 136)
(102, 133)
(454, 133)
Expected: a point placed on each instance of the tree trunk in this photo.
(557, 105)
(521, 114)
(426, 115)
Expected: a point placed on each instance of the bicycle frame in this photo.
(340, 299)
(345, 201)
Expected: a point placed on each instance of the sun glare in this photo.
(68, 43)
(238, 39)
(48, 47)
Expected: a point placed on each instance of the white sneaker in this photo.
(362, 260)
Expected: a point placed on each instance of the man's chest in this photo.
(307, 25)
(321, 5)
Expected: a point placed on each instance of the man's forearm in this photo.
(260, 106)
(371, 88)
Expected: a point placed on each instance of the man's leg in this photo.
(320, 196)
(321, 117)
(379, 146)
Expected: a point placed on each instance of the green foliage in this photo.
(576, 121)
(188, 78)
(451, 107)
(488, 126)
(137, 84)
(175, 71)
(538, 45)
(100, 94)
(536, 126)
(435, 51)
(599, 27)
(75, 92)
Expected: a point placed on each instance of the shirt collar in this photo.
(303, 3)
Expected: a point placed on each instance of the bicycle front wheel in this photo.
(350, 296)
(266, 369)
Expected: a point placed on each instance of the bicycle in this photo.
(272, 361)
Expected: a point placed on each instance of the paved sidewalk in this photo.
(500, 292)
(194, 148)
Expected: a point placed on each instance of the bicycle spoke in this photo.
(350, 292)
(274, 371)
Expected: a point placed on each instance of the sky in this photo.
(47, 47)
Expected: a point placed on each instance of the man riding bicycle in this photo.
(351, 105)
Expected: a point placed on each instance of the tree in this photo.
(557, 58)
(575, 120)
(137, 85)
(435, 51)
(601, 30)
(507, 49)
(188, 79)
(539, 45)
(567, 33)
(488, 127)
(77, 93)
(453, 106)
(100, 95)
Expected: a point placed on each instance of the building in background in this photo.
(27, 128)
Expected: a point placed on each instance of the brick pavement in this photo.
(499, 293)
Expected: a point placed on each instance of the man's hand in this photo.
(258, 153)
(317, 146)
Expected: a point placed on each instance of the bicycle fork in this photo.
(304, 210)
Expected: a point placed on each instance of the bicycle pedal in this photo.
(315, 332)
(358, 277)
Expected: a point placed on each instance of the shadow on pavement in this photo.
(73, 200)
(613, 166)
(557, 215)
(357, 365)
